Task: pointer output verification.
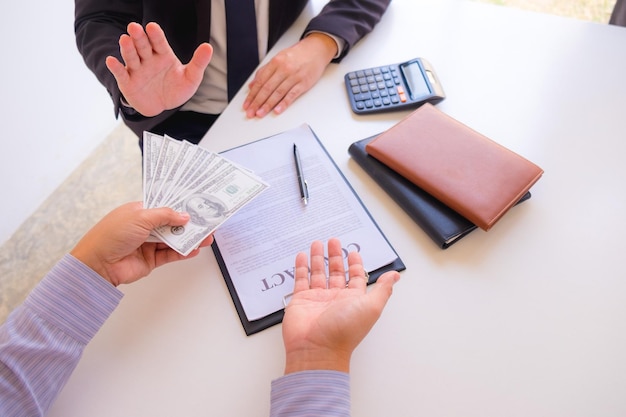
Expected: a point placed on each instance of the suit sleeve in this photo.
(349, 20)
(98, 26)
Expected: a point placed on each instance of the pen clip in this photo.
(305, 196)
(304, 186)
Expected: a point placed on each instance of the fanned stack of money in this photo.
(189, 178)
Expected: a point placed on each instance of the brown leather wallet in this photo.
(473, 175)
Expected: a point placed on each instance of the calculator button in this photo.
(360, 105)
(352, 76)
(378, 103)
(369, 72)
(364, 89)
(362, 80)
(369, 104)
(375, 94)
(373, 87)
(386, 101)
(356, 90)
(362, 96)
(354, 82)
(360, 74)
(401, 94)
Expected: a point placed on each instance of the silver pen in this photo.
(304, 189)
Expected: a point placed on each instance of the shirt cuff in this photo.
(74, 298)
(340, 42)
(310, 393)
(126, 108)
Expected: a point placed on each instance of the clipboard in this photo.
(252, 326)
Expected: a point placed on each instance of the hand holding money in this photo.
(192, 179)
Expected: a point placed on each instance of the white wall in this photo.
(54, 111)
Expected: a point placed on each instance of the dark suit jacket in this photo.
(99, 23)
(618, 16)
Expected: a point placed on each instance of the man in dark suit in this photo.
(141, 63)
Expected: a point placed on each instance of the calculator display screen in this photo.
(415, 80)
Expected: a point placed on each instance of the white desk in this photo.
(528, 319)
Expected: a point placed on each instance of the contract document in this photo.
(256, 247)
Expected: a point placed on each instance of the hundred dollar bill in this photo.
(151, 148)
(186, 157)
(200, 166)
(200, 182)
(169, 149)
(173, 165)
(211, 205)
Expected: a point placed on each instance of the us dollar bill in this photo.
(209, 206)
(169, 149)
(186, 156)
(151, 149)
(192, 179)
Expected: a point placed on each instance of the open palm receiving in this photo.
(326, 318)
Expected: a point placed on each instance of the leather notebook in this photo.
(442, 224)
(468, 172)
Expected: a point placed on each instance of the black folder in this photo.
(444, 225)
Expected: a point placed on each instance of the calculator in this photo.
(393, 87)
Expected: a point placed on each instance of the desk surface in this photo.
(526, 319)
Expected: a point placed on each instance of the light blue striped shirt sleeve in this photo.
(311, 393)
(43, 339)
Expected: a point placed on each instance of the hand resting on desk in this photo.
(288, 75)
